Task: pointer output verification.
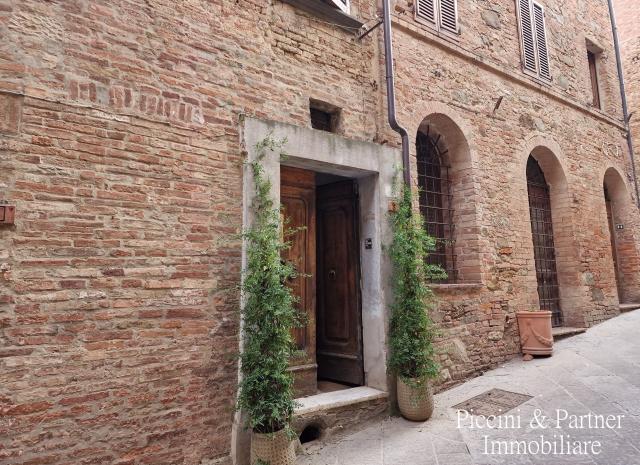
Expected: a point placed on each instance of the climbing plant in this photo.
(269, 314)
(412, 355)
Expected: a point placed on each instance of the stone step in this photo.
(335, 413)
(562, 332)
(624, 308)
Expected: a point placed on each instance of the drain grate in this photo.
(494, 402)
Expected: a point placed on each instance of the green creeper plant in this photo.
(411, 332)
(269, 314)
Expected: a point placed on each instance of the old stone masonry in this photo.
(125, 131)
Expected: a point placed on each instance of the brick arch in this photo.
(613, 178)
(550, 156)
(624, 243)
(453, 133)
(548, 153)
(451, 119)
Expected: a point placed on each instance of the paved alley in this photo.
(584, 409)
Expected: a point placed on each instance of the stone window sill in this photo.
(456, 287)
(327, 13)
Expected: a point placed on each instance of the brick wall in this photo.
(120, 147)
(629, 37)
(119, 299)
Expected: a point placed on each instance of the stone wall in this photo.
(120, 147)
(455, 86)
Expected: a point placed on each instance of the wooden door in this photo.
(339, 326)
(544, 249)
(297, 196)
(614, 248)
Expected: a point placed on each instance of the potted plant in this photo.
(411, 332)
(266, 388)
(536, 336)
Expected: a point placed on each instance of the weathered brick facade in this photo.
(629, 37)
(121, 148)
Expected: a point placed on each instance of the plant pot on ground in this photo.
(536, 336)
(411, 332)
(273, 448)
(415, 398)
(268, 316)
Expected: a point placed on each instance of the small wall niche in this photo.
(324, 116)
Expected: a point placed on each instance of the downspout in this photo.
(391, 95)
(623, 95)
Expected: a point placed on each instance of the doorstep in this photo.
(624, 308)
(566, 331)
(343, 411)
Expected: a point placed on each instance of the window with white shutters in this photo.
(541, 40)
(443, 14)
(448, 15)
(533, 34)
(426, 9)
(526, 31)
(342, 4)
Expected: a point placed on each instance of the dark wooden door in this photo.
(544, 250)
(339, 327)
(297, 196)
(614, 248)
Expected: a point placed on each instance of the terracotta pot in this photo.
(536, 337)
(273, 448)
(415, 402)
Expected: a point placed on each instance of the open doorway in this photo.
(322, 213)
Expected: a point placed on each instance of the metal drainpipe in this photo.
(391, 95)
(623, 95)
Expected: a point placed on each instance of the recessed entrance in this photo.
(324, 158)
(322, 213)
(612, 237)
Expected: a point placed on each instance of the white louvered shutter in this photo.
(541, 40)
(448, 15)
(342, 4)
(528, 40)
(426, 9)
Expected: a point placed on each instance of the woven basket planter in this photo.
(415, 403)
(275, 448)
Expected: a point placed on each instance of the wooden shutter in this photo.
(528, 41)
(426, 9)
(593, 72)
(342, 4)
(541, 40)
(448, 15)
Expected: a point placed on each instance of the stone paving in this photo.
(591, 377)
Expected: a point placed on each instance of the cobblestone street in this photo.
(593, 378)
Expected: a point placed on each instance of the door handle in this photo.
(332, 275)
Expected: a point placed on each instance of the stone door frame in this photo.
(375, 168)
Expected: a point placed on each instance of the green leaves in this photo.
(411, 329)
(269, 314)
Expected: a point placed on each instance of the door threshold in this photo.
(338, 399)
(628, 307)
(333, 414)
(560, 332)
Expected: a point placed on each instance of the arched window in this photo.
(544, 250)
(436, 200)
